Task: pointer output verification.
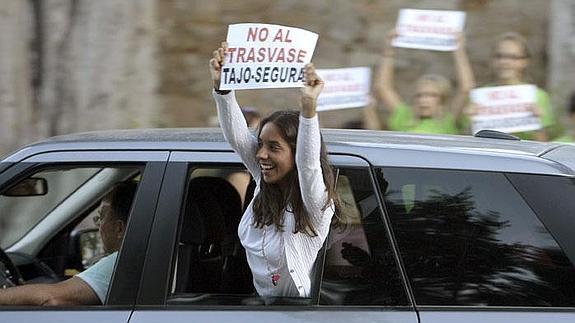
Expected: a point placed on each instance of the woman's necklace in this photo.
(275, 276)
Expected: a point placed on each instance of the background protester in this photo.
(509, 61)
(434, 108)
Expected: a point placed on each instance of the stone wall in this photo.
(351, 34)
(16, 103)
(76, 65)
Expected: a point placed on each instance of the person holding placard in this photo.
(433, 110)
(287, 222)
(509, 61)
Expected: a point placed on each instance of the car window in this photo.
(470, 239)
(360, 267)
(211, 266)
(65, 216)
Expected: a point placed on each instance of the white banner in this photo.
(505, 108)
(344, 88)
(266, 56)
(428, 29)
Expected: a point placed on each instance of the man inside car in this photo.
(91, 286)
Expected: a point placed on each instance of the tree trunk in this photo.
(561, 76)
(85, 65)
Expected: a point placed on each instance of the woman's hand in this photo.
(216, 64)
(309, 93)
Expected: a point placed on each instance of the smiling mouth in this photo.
(266, 167)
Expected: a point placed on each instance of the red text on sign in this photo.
(255, 34)
(266, 55)
(430, 18)
(502, 95)
(262, 34)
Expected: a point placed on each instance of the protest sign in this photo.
(428, 29)
(344, 88)
(266, 56)
(505, 108)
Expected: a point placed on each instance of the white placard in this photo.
(266, 56)
(344, 88)
(428, 29)
(505, 108)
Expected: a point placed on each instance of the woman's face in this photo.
(509, 61)
(274, 154)
(427, 99)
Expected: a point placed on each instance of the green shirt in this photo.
(403, 119)
(547, 119)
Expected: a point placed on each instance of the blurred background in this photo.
(80, 65)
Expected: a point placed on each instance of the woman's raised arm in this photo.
(308, 152)
(231, 119)
(385, 86)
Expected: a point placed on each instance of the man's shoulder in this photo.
(105, 262)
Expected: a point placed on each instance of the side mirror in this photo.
(87, 249)
(33, 186)
(91, 247)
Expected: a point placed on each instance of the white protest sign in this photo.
(506, 108)
(266, 56)
(344, 88)
(428, 29)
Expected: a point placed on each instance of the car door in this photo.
(102, 166)
(187, 275)
(484, 245)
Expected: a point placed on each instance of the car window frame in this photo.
(156, 280)
(128, 268)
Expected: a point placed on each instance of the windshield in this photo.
(19, 214)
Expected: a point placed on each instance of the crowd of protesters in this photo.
(434, 107)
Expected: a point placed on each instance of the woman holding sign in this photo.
(287, 222)
(432, 111)
(509, 61)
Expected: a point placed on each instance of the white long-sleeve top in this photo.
(291, 255)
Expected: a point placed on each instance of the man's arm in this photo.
(72, 291)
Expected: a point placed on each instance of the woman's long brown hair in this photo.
(271, 202)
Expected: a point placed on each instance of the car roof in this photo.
(191, 138)
(365, 143)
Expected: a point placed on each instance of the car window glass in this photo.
(551, 197)
(360, 268)
(67, 220)
(469, 238)
(91, 248)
